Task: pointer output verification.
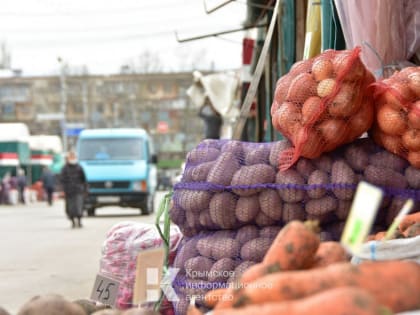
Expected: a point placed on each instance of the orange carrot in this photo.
(337, 301)
(293, 248)
(192, 309)
(370, 237)
(329, 253)
(395, 284)
(380, 235)
(258, 270)
(413, 230)
(409, 220)
(214, 296)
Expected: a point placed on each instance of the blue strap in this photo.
(373, 250)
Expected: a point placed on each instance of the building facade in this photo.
(155, 102)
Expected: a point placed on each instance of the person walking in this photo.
(73, 181)
(48, 183)
(5, 189)
(21, 185)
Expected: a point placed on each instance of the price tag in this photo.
(105, 290)
(362, 215)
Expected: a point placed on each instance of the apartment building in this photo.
(157, 102)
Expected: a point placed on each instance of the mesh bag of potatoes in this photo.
(322, 103)
(397, 121)
(228, 184)
(124, 241)
(217, 259)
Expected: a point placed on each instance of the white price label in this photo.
(362, 215)
(105, 290)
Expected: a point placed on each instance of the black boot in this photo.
(73, 223)
(79, 222)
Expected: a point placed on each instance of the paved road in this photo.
(40, 253)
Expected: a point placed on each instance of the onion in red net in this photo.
(334, 132)
(397, 123)
(322, 69)
(414, 82)
(361, 121)
(311, 108)
(411, 139)
(414, 116)
(332, 85)
(391, 121)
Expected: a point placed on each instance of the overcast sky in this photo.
(105, 34)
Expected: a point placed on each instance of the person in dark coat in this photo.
(73, 181)
(48, 183)
(212, 121)
(21, 184)
(5, 188)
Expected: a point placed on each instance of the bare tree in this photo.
(188, 61)
(199, 60)
(149, 62)
(5, 58)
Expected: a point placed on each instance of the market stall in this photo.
(326, 220)
(46, 151)
(14, 147)
(345, 123)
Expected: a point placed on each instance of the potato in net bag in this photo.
(217, 259)
(397, 119)
(239, 184)
(322, 103)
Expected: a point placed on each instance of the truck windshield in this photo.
(111, 149)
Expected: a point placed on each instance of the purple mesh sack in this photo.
(227, 184)
(217, 259)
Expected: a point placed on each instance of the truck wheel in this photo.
(143, 208)
(147, 206)
(151, 203)
(91, 212)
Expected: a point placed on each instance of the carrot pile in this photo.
(301, 275)
(409, 227)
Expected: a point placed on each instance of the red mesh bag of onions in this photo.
(322, 103)
(397, 121)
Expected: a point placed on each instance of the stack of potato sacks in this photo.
(234, 196)
(226, 231)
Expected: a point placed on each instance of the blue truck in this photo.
(120, 167)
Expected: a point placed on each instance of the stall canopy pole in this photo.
(249, 98)
(179, 40)
(208, 11)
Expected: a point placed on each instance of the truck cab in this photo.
(120, 168)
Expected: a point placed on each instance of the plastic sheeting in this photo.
(219, 88)
(388, 30)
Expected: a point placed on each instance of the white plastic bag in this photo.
(398, 249)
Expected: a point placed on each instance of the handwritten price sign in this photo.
(105, 290)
